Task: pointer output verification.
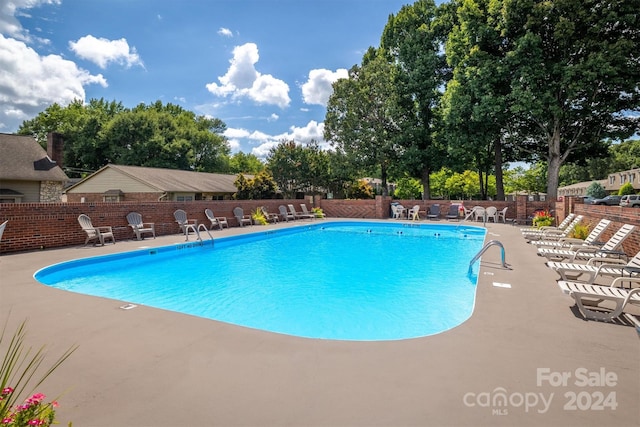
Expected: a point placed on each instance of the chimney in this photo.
(55, 148)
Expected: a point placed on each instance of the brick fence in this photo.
(34, 226)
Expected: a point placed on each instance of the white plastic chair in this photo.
(220, 221)
(502, 215)
(95, 234)
(140, 228)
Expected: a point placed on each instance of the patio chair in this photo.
(241, 217)
(454, 212)
(270, 217)
(397, 211)
(220, 221)
(413, 213)
(300, 215)
(479, 213)
(608, 250)
(434, 211)
(95, 234)
(186, 224)
(595, 267)
(308, 212)
(572, 242)
(589, 296)
(139, 227)
(565, 222)
(552, 233)
(502, 215)
(285, 215)
(492, 213)
(2, 227)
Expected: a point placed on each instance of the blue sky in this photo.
(264, 67)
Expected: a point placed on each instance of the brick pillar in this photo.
(55, 148)
(521, 208)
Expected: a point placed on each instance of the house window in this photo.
(10, 196)
(113, 196)
(184, 198)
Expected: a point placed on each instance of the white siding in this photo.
(30, 189)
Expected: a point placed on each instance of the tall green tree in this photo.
(364, 119)
(476, 106)
(154, 135)
(299, 168)
(245, 163)
(575, 76)
(81, 125)
(414, 39)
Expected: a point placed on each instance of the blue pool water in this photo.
(330, 280)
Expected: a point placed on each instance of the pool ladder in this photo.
(487, 246)
(196, 229)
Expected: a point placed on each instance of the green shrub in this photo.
(626, 189)
(581, 231)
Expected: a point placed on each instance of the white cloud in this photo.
(273, 118)
(243, 80)
(104, 51)
(317, 88)
(9, 25)
(225, 32)
(29, 82)
(242, 139)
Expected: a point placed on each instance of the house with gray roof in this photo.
(117, 183)
(28, 173)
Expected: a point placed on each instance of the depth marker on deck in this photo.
(502, 285)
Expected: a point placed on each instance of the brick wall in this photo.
(48, 225)
(618, 216)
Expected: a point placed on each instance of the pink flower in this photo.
(54, 404)
(38, 397)
(7, 390)
(6, 420)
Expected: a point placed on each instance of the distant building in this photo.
(116, 183)
(28, 173)
(611, 184)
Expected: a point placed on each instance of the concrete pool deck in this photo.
(524, 358)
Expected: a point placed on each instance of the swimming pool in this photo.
(330, 280)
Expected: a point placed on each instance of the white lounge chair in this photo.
(595, 267)
(307, 211)
(285, 215)
(139, 227)
(589, 296)
(241, 217)
(560, 226)
(219, 221)
(95, 234)
(552, 233)
(572, 242)
(413, 213)
(609, 249)
(317, 214)
(300, 215)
